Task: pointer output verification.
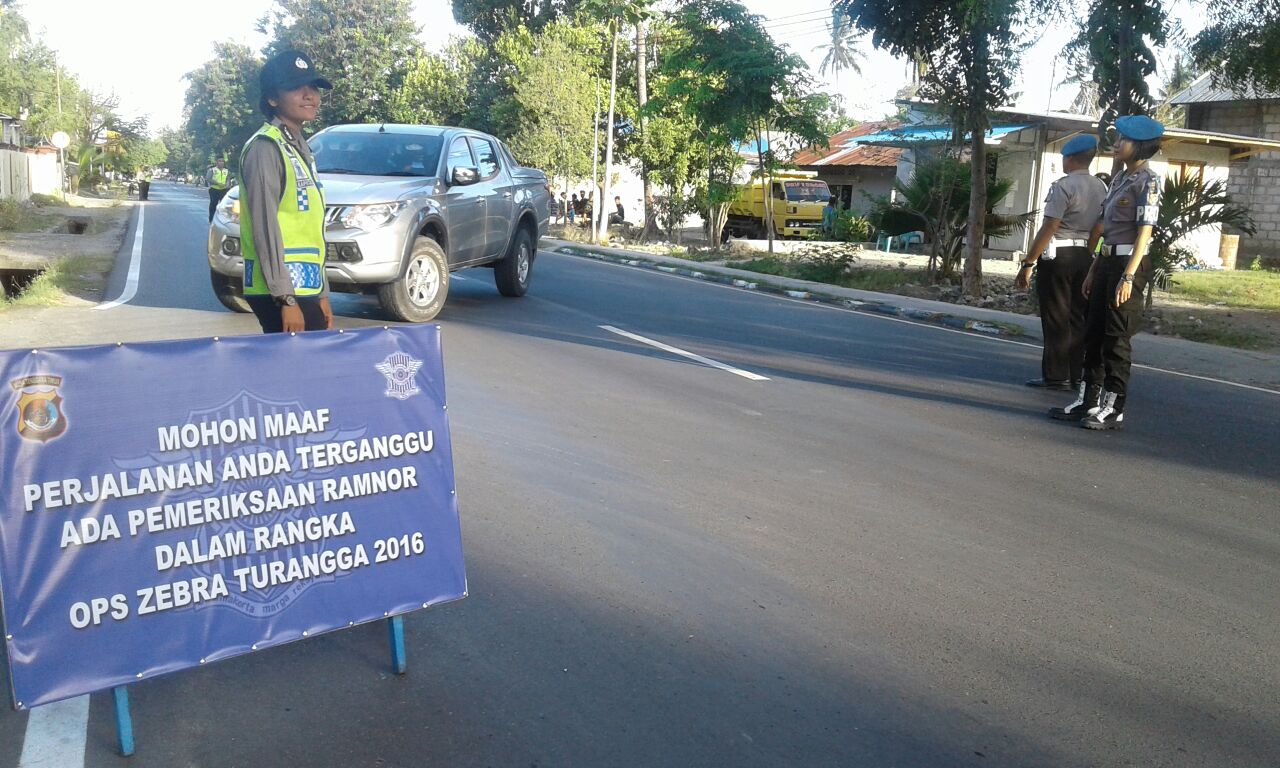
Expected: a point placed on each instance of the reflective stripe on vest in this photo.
(301, 219)
(220, 177)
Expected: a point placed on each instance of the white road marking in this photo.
(917, 323)
(56, 734)
(135, 268)
(689, 355)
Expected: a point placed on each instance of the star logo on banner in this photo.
(400, 368)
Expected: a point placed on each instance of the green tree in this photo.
(735, 83)
(548, 77)
(488, 19)
(1188, 204)
(936, 202)
(1116, 48)
(181, 156)
(364, 47)
(32, 81)
(1241, 43)
(971, 49)
(439, 88)
(222, 103)
(1182, 72)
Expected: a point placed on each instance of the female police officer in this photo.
(282, 207)
(1118, 276)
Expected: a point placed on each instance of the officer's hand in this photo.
(1123, 291)
(1023, 281)
(328, 313)
(1087, 287)
(293, 319)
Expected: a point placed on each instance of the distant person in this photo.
(829, 216)
(564, 208)
(144, 183)
(1061, 249)
(619, 215)
(282, 205)
(573, 207)
(218, 180)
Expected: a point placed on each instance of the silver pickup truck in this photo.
(405, 205)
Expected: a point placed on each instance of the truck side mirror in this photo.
(464, 175)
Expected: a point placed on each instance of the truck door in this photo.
(498, 189)
(464, 207)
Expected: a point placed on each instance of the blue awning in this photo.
(925, 134)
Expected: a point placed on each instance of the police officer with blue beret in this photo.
(1118, 277)
(1061, 249)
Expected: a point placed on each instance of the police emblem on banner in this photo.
(400, 368)
(40, 414)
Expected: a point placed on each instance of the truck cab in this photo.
(798, 200)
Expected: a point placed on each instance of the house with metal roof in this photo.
(1254, 174)
(856, 173)
(1026, 148)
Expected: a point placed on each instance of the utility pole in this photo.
(595, 146)
(642, 98)
(599, 209)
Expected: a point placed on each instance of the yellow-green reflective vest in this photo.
(220, 178)
(301, 219)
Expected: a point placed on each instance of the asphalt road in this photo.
(882, 555)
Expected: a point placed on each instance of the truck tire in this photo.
(228, 291)
(419, 295)
(513, 273)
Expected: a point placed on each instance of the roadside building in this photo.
(1253, 176)
(857, 174)
(1025, 148)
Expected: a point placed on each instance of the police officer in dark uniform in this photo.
(1118, 277)
(1061, 249)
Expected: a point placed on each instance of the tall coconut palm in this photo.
(842, 52)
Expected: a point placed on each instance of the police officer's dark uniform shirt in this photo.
(1132, 202)
(1076, 200)
(262, 187)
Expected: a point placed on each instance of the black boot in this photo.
(1086, 402)
(1110, 413)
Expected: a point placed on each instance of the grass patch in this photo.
(20, 217)
(72, 276)
(1226, 337)
(1244, 289)
(883, 279)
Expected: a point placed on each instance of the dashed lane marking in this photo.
(686, 354)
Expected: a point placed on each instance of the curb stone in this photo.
(879, 307)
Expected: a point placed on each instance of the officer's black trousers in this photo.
(1107, 349)
(1063, 312)
(215, 197)
(268, 313)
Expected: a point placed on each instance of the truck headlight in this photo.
(369, 217)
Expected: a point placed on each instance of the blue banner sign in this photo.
(167, 505)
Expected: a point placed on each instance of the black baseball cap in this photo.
(289, 70)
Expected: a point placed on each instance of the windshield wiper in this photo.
(403, 173)
(342, 170)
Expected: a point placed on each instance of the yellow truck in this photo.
(798, 200)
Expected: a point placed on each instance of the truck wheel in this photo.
(419, 295)
(512, 274)
(228, 291)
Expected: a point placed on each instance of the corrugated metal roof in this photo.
(928, 134)
(839, 153)
(1203, 91)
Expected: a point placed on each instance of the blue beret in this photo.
(1139, 128)
(1085, 142)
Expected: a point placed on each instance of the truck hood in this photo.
(344, 189)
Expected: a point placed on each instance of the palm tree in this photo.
(842, 53)
(936, 202)
(1188, 204)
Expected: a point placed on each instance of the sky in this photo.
(144, 64)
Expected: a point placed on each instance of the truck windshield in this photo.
(808, 191)
(376, 154)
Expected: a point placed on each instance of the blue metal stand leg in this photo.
(396, 627)
(124, 722)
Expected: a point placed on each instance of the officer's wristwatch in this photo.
(1126, 278)
(287, 300)
(1027, 265)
